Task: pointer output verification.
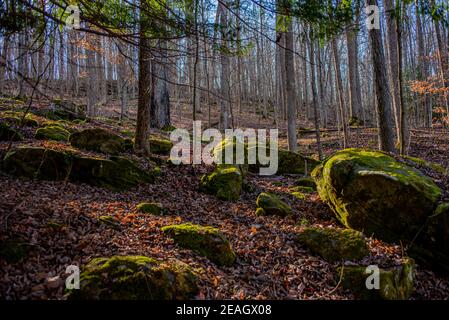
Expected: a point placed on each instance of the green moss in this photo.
(151, 208)
(395, 283)
(223, 182)
(298, 195)
(168, 128)
(13, 251)
(37, 163)
(9, 134)
(135, 278)
(272, 205)
(109, 221)
(160, 146)
(294, 163)
(371, 191)
(204, 240)
(115, 173)
(260, 212)
(430, 165)
(334, 244)
(99, 140)
(52, 133)
(306, 182)
(302, 189)
(129, 133)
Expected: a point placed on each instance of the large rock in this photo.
(269, 204)
(99, 140)
(135, 278)
(37, 163)
(204, 240)
(372, 192)
(160, 146)
(64, 110)
(9, 134)
(334, 244)
(116, 173)
(288, 162)
(52, 132)
(225, 182)
(395, 283)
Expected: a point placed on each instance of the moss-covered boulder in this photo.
(16, 118)
(99, 140)
(64, 110)
(334, 244)
(269, 204)
(37, 163)
(52, 133)
(432, 246)
(223, 182)
(395, 283)
(160, 146)
(13, 251)
(115, 173)
(371, 191)
(204, 240)
(151, 208)
(306, 182)
(135, 278)
(7, 133)
(295, 163)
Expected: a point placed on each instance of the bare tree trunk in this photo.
(384, 116)
(224, 60)
(290, 90)
(316, 97)
(341, 103)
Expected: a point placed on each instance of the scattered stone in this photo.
(99, 140)
(151, 208)
(334, 244)
(269, 204)
(204, 240)
(395, 283)
(135, 278)
(160, 146)
(56, 133)
(224, 182)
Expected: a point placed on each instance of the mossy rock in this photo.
(99, 140)
(295, 163)
(52, 133)
(298, 195)
(334, 244)
(302, 189)
(160, 146)
(64, 110)
(9, 134)
(37, 163)
(272, 205)
(306, 182)
(417, 162)
(223, 182)
(395, 283)
(204, 240)
(371, 191)
(168, 128)
(355, 122)
(433, 242)
(109, 221)
(135, 278)
(16, 118)
(151, 208)
(13, 251)
(115, 173)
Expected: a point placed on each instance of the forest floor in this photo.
(59, 221)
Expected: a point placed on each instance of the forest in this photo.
(224, 150)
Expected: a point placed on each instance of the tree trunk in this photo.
(290, 90)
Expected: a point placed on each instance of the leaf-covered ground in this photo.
(60, 223)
